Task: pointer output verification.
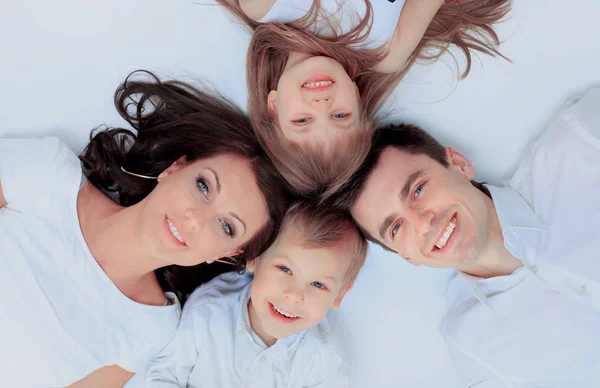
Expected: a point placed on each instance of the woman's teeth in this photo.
(174, 231)
(449, 229)
(317, 84)
(283, 312)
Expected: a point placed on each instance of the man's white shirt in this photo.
(216, 347)
(539, 326)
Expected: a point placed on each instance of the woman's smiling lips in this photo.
(173, 233)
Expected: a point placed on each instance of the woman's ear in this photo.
(179, 163)
(459, 163)
(272, 102)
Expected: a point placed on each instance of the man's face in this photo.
(428, 213)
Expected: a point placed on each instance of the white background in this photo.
(60, 62)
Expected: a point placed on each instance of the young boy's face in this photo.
(294, 287)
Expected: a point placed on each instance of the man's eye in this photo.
(285, 269)
(396, 228)
(340, 115)
(418, 190)
(320, 286)
(203, 186)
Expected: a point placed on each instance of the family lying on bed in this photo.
(258, 225)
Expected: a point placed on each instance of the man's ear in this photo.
(338, 300)
(459, 163)
(179, 163)
(272, 102)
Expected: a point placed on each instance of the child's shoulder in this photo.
(321, 339)
(220, 295)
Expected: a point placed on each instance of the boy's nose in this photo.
(293, 295)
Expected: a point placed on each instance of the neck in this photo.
(110, 233)
(257, 327)
(494, 260)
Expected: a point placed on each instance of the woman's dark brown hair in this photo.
(172, 119)
(466, 24)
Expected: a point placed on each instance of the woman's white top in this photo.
(385, 13)
(61, 317)
(216, 347)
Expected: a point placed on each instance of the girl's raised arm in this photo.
(256, 9)
(412, 24)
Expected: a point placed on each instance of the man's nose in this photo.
(421, 220)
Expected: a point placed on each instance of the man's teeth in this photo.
(284, 313)
(317, 84)
(174, 231)
(449, 229)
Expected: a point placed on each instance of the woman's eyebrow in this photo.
(239, 219)
(216, 179)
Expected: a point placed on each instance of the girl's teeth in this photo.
(317, 84)
(174, 231)
(449, 229)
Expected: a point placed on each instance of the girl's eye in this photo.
(203, 186)
(302, 120)
(227, 228)
(285, 269)
(319, 285)
(396, 228)
(340, 115)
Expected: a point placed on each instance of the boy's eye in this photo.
(319, 285)
(285, 269)
(203, 186)
(227, 228)
(340, 115)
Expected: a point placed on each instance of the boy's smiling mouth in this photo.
(282, 314)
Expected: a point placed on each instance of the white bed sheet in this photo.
(60, 62)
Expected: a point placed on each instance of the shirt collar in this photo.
(516, 219)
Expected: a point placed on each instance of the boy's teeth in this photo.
(174, 231)
(284, 313)
(449, 229)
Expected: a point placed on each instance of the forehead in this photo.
(382, 190)
(331, 261)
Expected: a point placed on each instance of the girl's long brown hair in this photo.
(312, 170)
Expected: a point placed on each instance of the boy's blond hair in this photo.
(325, 227)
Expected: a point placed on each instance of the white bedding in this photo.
(60, 62)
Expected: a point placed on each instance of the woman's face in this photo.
(315, 100)
(201, 211)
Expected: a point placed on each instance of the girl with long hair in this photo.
(90, 285)
(319, 70)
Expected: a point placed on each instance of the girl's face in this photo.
(202, 211)
(315, 100)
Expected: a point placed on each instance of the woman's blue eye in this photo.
(418, 190)
(319, 285)
(227, 228)
(285, 269)
(203, 186)
(340, 115)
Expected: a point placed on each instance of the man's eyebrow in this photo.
(386, 224)
(409, 182)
